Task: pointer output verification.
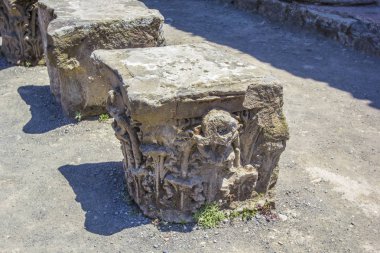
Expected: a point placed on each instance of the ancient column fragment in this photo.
(72, 30)
(21, 39)
(196, 125)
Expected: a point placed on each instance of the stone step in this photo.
(197, 125)
(72, 30)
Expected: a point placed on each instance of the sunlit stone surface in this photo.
(196, 125)
(72, 30)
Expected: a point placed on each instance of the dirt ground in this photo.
(62, 185)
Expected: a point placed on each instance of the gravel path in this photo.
(62, 186)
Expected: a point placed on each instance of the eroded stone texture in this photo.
(196, 125)
(21, 39)
(72, 30)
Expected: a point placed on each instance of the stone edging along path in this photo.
(354, 31)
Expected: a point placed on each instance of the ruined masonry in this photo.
(196, 125)
(72, 30)
(354, 23)
(20, 33)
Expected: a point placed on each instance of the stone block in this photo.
(21, 39)
(72, 30)
(196, 125)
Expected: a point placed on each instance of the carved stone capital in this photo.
(20, 32)
(184, 148)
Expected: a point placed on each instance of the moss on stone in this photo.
(277, 129)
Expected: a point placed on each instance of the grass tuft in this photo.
(104, 117)
(78, 116)
(248, 214)
(209, 216)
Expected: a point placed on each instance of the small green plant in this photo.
(103, 117)
(248, 214)
(78, 116)
(245, 215)
(209, 216)
(233, 215)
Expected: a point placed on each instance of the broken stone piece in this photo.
(196, 125)
(21, 39)
(72, 30)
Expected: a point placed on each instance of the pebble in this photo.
(155, 246)
(203, 244)
(317, 180)
(282, 217)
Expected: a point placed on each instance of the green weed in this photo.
(78, 116)
(209, 216)
(103, 117)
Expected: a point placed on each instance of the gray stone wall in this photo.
(359, 33)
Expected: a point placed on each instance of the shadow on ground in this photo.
(3, 61)
(100, 189)
(46, 113)
(298, 52)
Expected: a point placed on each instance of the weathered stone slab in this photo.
(72, 30)
(196, 125)
(21, 39)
